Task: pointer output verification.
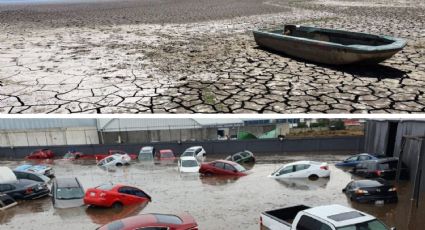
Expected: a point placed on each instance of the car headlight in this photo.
(393, 189)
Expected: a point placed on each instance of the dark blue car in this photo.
(356, 159)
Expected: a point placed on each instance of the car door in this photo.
(126, 196)
(301, 171)
(229, 169)
(286, 172)
(218, 168)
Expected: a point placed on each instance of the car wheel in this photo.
(118, 164)
(313, 177)
(117, 205)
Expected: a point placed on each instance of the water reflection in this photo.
(218, 180)
(304, 183)
(26, 207)
(103, 216)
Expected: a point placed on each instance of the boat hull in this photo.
(326, 52)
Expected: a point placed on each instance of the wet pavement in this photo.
(200, 57)
(216, 203)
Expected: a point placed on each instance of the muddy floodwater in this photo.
(216, 203)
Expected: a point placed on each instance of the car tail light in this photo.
(92, 194)
(393, 189)
(361, 191)
(28, 191)
(378, 173)
(324, 167)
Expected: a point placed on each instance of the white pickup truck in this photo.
(328, 217)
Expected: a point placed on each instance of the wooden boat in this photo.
(328, 46)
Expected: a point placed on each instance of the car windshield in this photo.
(188, 154)
(189, 163)
(69, 193)
(371, 225)
(105, 187)
(167, 155)
(240, 168)
(68, 155)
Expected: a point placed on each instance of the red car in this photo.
(165, 154)
(154, 221)
(112, 152)
(41, 154)
(222, 167)
(116, 196)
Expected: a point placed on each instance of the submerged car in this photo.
(40, 169)
(6, 202)
(222, 167)
(146, 153)
(371, 191)
(32, 176)
(116, 196)
(67, 193)
(356, 159)
(21, 188)
(154, 221)
(302, 169)
(242, 157)
(40, 154)
(383, 168)
(74, 155)
(188, 164)
(25, 189)
(115, 160)
(195, 151)
(165, 154)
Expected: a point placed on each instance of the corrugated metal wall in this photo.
(376, 137)
(130, 124)
(44, 123)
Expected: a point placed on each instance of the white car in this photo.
(188, 165)
(302, 169)
(195, 151)
(115, 160)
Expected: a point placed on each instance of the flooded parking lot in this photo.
(215, 202)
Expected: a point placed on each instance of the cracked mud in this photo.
(210, 65)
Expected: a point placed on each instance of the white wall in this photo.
(65, 136)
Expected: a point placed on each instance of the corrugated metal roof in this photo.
(44, 123)
(133, 124)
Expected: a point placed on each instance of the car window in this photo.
(229, 167)
(309, 223)
(245, 154)
(353, 158)
(198, 151)
(34, 177)
(139, 193)
(69, 193)
(301, 167)
(219, 165)
(371, 225)
(5, 187)
(190, 163)
(363, 158)
(237, 157)
(110, 159)
(287, 169)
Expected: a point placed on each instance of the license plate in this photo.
(379, 202)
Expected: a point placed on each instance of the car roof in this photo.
(194, 147)
(304, 162)
(227, 162)
(7, 175)
(67, 182)
(339, 215)
(371, 183)
(143, 220)
(147, 147)
(165, 150)
(383, 160)
(188, 158)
